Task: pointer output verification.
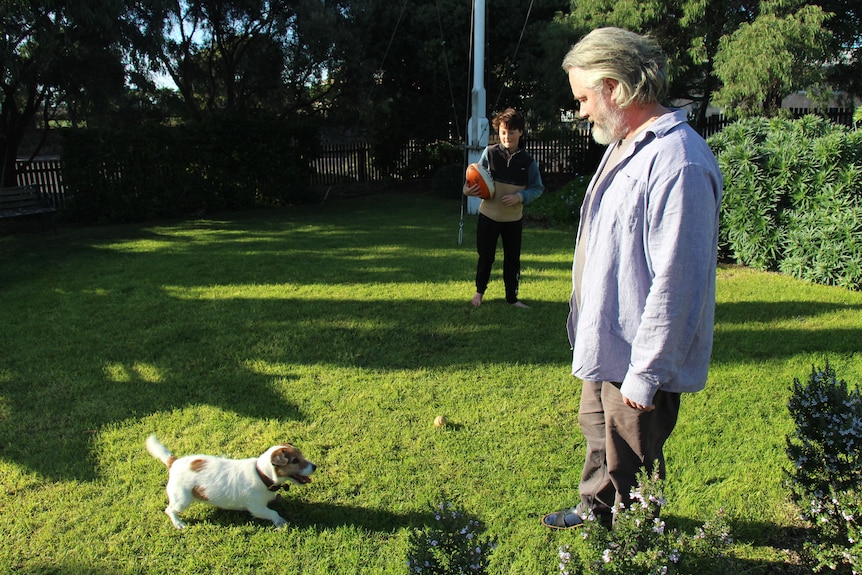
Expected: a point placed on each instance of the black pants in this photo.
(487, 232)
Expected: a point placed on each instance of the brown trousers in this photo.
(620, 442)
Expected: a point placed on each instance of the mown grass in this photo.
(345, 328)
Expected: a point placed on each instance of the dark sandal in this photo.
(563, 519)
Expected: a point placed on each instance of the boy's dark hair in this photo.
(512, 118)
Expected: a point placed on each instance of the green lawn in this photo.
(345, 328)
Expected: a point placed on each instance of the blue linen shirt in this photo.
(647, 307)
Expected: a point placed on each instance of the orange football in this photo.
(478, 174)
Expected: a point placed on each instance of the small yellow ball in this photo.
(440, 421)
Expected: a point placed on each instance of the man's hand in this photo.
(637, 406)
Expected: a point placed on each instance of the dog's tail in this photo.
(159, 451)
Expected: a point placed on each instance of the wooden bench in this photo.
(24, 201)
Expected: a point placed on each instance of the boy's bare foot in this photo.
(477, 299)
(521, 304)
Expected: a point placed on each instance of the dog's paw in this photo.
(178, 523)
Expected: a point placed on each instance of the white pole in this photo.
(477, 130)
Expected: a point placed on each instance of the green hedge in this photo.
(135, 174)
(793, 198)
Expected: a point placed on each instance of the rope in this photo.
(448, 75)
(392, 37)
(515, 55)
(383, 59)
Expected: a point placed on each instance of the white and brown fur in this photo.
(237, 484)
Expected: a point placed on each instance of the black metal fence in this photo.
(568, 154)
(843, 116)
(353, 162)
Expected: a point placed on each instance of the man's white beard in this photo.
(608, 125)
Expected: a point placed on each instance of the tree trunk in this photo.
(11, 134)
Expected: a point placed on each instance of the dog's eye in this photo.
(294, 460)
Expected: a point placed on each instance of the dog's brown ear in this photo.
(279, 458)
(285, 456)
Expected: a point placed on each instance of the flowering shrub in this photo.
(826, 480)
(641, 543)
(452, 546)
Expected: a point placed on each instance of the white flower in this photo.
(606, 556)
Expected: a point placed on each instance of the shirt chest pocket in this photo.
(622, 209)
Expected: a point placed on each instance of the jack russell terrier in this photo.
(236, 484)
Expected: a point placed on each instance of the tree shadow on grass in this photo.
(739, 335)
(238, 354)
(785, 541)
(69, 568)
(119, 362)
(135, 322)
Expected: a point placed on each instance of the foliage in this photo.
(429, 158)
(690, 38)
(559, 207)
(448, 182)
(411, 78)
(793, 198)
(54, 52)
(454, 545)
(640, 543)
(272, 55)
(159, 171)
(750, 51)
(826, 479)
(789, 51)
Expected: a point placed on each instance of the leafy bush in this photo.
(430, 158)
(641, 543)
(559, 207)
(793, 198)
(826, 480)
(122, 175)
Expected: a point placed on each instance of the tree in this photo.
(844, 71)
(775, 55)
(688, 30)
(753, 51)
(53, 52)
(532, 45)
(240, 55)
(412, 76)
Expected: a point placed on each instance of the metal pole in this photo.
(477, 130)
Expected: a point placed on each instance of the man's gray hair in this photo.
(636, 62)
